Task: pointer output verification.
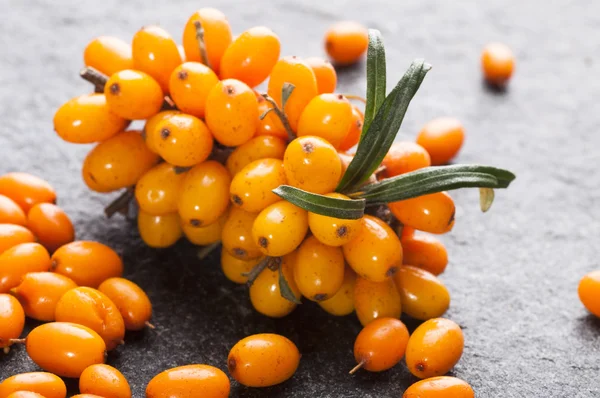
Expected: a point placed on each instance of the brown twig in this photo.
(281, 116)
(120, 204)
(201, 44)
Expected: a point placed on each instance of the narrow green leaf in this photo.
(320, 204)
(377, 140)
(286, 91)
(486, 198)
(376, 76)
(285, 290)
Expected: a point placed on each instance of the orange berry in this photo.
(381, 344)
(251, 56)
(87, 263)
(39, 293)
(280, 228)
(430, 213)
(46, 384)
(26, 190)
(150, 134)
(236, 236)
(346, 42)
(108, 55)
(425, 252)
(184, 140)
(157, 191)
(263, 360)
(86, 396)
(51, 225)
(159, 231)
(12, 320)
(434, 348)
(270, 124)
(155, 53)
(374, 300)
(189, 86)
(297, 72)
(235, 269)
(252, 188)
(130, 299)
(442, 138)
(497, 63)
(217, 37)
(404, 157)
(589, 292)
(265, 292)
(189, 381)
(207, 235)
(325, 74)
(440, 387)
(232, 112)
(342, 302)
(260, 147)
(328, 116)
(24, 394)
(333, 231)
(11, 213)
(105, 381)
(19, 260)
(12, 235)
(405, 232)
(133, 95)
(423, 295)
(353, 135)
(87, 119)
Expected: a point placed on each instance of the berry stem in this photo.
(258, 268)
(204, 251)
(220, 153)
(17, 341)
(121, 204)
(355, 97)
(281, 116)
(94, 76)
(201, 44)
(357, 367)
(149, 325)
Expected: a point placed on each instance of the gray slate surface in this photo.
(513, 272)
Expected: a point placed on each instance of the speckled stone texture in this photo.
(513, 272)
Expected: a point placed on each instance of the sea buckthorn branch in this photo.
(280, 115)
(97, 78)
(204, 251)
(255, 272)
(201, 44)
(121, 203)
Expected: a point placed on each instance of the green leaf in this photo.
(377, 140)
(486, 198)
(324, 205)
(376, 76)
(285, 290)
(286, 91)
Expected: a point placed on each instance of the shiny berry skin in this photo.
(12, 235)
(159, 231)
(208, 235)
(232, 112)
(12, 320)
(236, 236)
(280, 228)
(589, 292)
(118, 162)
(440, 387)
(157, 191)
(184, 140)
(189, 86)
(252, 188)
(130, 299)
(87, 263)
(260, 147)
(312, 164)
(271, 124)
(24, 394)
(11, 213)
(404, 157)
(26, 189)
(64, 348)
(86, 396)
(497, 63)
(155, 52)
(434, 348)
(328, 116)
(263, 360)
(374, 300)
(235, 269)
(423, 295)
(333, 231)
(87, 119)
(51, 225)
(355, 130)
(442, 138)
(39, 293)
(381, 344)
(432, 213)
(105, 381)
(425, 252)
(204, 195)
(108, 55)
(133, 95)
(46, 384)
(346, 42)
(342, 302)
(150, 134)
(265, 294)
(325, 74)
(18, 261)
(189, 381)
(375, 252)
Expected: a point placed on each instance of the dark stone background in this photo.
(513, 272)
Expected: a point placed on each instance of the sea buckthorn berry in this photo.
(232, 112)
(133, 95)
(235, 269)
(64, 348)
(442, 138)
(39, 293)
(189, 381)
(404, 157)
(87, 263)
(25, 394)
(252, 188)
(355, 130)
(118, 162)
(312, 164)
(325, 74)
(12, 235)
(86, 396)
(280, 228)
(155, 53)
(150, 134)
(440, 387)
(271, 123)
(319, 269)
(51, 225)
(11, 213)
(265, 293)
(92, 308)
(375, 252)
(333, 231)
(184, 140)
(159, 231)
(263, 360)
(26, 190)
(18, 261)
(328, 116)
(260, 147)
(46, 384)
(424, 251)
(157, 191)
(434, 348)
(423, 295)
(105, 381)
(237, 235)
(207, 235)
(589, 292)
(204, 195)
(12, 320)
(430, 213)
(374, 300)
(381, 344)
(130, 299)
(346, 42)
(342, 302)
(405, 232)
(217, 37)
(87, 119)
(108, 55)
(189, 86)
(497, 63)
